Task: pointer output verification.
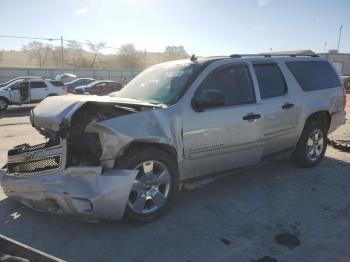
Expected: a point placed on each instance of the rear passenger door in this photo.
(278, 108)
(39, 90)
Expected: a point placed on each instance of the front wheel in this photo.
(312, 145)
(155, 185)
(3, 104)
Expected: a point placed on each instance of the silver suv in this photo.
(127, 155)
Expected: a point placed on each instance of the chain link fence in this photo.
(7, 73)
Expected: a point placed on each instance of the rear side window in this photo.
(38, 84)
(314, 75)
(270, 79)
(57, 83)
(234, 82)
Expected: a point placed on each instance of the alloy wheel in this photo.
(151, 187)
(315, 144)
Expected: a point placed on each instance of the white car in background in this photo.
(29, 91)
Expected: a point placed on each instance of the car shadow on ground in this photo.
(16, 111)
(242, 212)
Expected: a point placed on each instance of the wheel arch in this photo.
(322, 116)
(136, 145)
(6, 98)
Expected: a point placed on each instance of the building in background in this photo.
(341, 61)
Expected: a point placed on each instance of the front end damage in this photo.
(74, 172)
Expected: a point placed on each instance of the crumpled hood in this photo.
(55, 112)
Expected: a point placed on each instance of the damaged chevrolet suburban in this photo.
(127, 155)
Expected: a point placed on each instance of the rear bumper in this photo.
(337, 119)
(81, 192)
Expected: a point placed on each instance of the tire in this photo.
(4, 103)
(146, 183)
(308, 152)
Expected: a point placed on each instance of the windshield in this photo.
(161, 84)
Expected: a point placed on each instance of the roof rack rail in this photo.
(271, 55)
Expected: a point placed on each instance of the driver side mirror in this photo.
(208, 99)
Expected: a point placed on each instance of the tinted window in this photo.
(314, 75)
(37, 84)
(57, 83)
(235, 84)
(270, 79)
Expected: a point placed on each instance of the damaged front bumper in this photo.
(39, 179)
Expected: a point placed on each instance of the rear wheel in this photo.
(3, 104)
(312, 145)
(155, 185)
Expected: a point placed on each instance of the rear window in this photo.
(314, 75)
(270, 79)
(57, 83)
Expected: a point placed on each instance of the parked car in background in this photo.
(78, 82)
(65, 77)
(29, 91)
(19, 78)
(102, 87)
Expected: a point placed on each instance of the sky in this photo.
(203, 27)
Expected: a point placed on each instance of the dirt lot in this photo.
(278, 212)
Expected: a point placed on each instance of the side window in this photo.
(270, 79)
(101, 84)
(234, 82)
(57, 83)
(314, 75)
(22, 85)
(38, 84)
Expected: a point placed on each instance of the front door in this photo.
(280, 116)
(226, 137)
(20, 92)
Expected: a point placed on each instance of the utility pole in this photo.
(62, 64)
(324, 49)
(340, 29)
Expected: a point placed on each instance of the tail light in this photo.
(344, 97)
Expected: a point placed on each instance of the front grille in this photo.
(27, 148)
(39, 165)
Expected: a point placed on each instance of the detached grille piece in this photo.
(27, 148)
(40, 165)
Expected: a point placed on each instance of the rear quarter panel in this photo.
(309, 102)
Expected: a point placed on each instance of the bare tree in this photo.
(95, 49)
(74, 55)
(129, 57)
(37, 52)
(175, 52)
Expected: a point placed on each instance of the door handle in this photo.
(251, 117)
(287, 106)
